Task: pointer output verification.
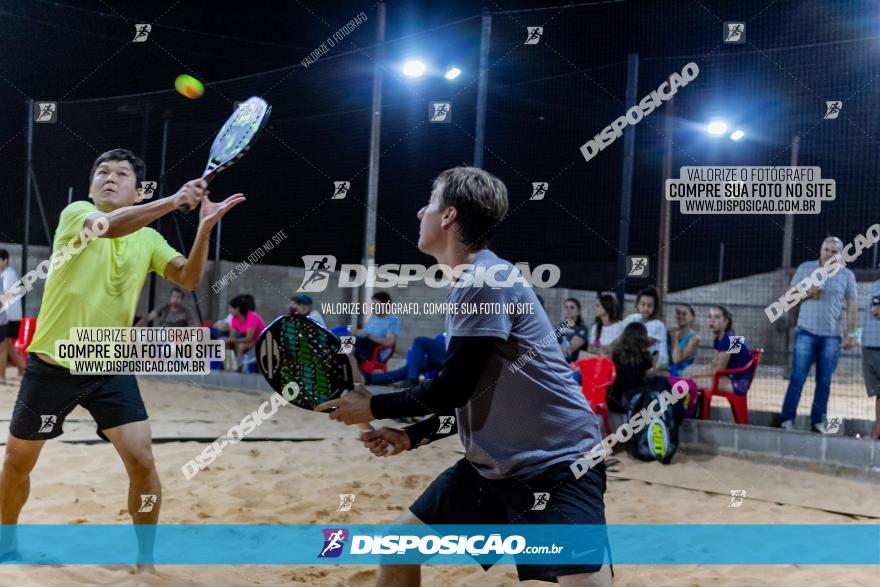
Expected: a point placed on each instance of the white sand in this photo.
(285, 482)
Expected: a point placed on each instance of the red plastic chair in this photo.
(738, 403)
(375, 364)
(597, 375)
(25, 336)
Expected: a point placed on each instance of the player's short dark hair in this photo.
(177, 290)
(137, 164)
(480, 199)
(4, 255)
(382, 297)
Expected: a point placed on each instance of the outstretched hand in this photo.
(212, 212)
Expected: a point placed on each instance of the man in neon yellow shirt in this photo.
(97, 283)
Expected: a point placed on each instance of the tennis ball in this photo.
(189, 86)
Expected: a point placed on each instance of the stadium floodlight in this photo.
(413, 68)
(453, 73)
(716, 127)
(737, 135)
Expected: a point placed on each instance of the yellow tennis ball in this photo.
(189, 86)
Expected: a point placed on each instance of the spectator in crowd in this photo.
(871, 353)
(608, 325)
(172, 314)
(731, 352)
(245, 327)
(817, 335)
(632, 360)
(684, 339)
(424, 354)
(222, 327)
(381, 329)
(8, 278)
(303, 305)
(572, 339)
(648, 312)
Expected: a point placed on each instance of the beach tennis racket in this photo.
(237, 135)
(295, 349)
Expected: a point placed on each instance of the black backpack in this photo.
(658, 439)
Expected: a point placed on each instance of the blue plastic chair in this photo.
(340, 330)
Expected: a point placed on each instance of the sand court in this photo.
(261, 481)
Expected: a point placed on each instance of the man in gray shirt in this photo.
(871, 353)
(521, 417)
(818, 337)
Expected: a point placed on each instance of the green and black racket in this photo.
(295, 349)
(236, 136)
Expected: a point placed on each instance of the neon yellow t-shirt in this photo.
(98, 287)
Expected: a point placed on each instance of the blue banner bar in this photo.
(672, 544)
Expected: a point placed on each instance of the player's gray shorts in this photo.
(871, 371)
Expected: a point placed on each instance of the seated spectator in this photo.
(724, 341)
(221, 328)
(684, 340)
(572, 339)
(172, 314)
(381, 329)
(425, 353)
(607, 327)
(648, 312)
(302, 305)
(245, 327)
(632, 360)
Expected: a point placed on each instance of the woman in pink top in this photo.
(245, 328)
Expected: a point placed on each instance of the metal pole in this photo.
(369, 257)
(69, 194)
(482, 89)
(27, 196)
(721, 262)
(665, 205)
(629, 145)
(788, 230)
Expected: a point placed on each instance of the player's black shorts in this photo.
(460, 495)
(12, 329)
(48, 393)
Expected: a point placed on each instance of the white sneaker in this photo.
(820, 428)
(787, 425)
